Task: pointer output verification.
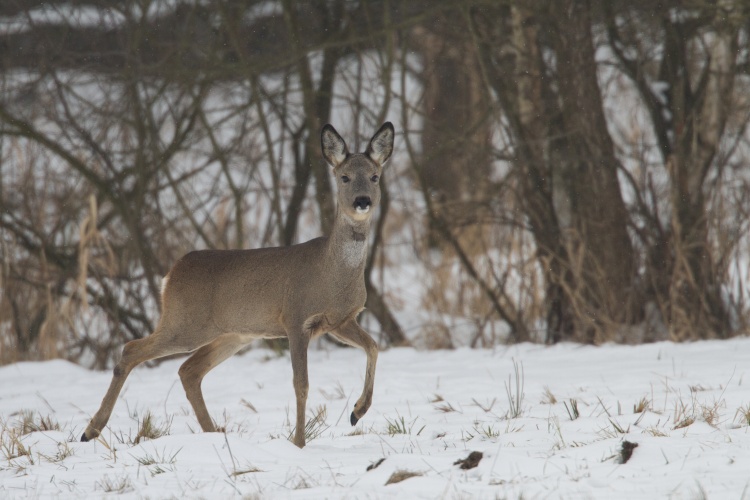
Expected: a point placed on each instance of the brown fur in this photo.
(216, 301)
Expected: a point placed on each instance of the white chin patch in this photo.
(361, 210)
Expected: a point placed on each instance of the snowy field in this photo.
(550, 422)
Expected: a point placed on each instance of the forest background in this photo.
(566, 170)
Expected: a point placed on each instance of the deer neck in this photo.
(347, 244)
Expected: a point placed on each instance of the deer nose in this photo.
(362, 203)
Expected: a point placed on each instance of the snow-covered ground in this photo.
(686, 406)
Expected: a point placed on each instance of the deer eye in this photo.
(374, 178)
(344, 179)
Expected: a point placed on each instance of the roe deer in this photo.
(216, 301)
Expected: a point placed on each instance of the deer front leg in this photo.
(298, 343)
(352, 334)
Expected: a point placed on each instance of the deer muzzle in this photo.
(362, 204)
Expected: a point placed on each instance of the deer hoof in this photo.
(89, 435)
(354, 419)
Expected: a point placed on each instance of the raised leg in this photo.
(134, 353)
(195, 368)
(298, 350)
(352, 334)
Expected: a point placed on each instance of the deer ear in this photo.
(381, 145)
(334, 147)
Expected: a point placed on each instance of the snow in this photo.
(430, 409)
(65, 14)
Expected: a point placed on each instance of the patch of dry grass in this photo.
(402, 475)
(149, 428)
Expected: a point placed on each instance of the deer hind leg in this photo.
(352, 334)
(134, 353)
(201, 362)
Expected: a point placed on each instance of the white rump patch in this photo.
(164, 281)
(354, 252)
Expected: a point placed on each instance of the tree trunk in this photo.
(599, 247)
(700, 114)
(566, 168)
(456, 134)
